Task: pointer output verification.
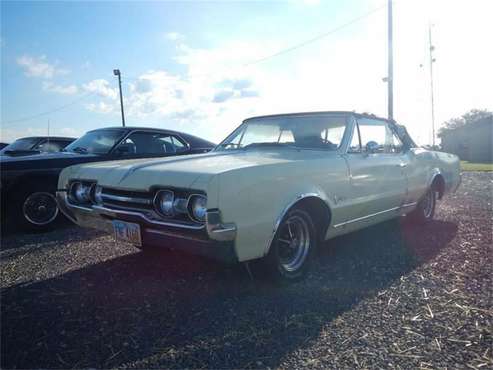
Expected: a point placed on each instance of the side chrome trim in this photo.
(373, 215)
(285, 211)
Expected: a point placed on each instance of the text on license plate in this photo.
(127, 232)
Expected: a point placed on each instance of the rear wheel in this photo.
(293, 247)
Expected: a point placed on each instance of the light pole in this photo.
(390, 65)
(432, 60)
(116, 72)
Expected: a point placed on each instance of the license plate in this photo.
(127, 232)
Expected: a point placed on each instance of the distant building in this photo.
(471, 142)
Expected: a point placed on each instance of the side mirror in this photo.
(372, 147)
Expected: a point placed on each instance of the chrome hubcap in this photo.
(293, 243)
(40, 208)
(428, 202)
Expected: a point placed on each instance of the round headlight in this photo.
(81, 192)
(98, 192)
(164, 202)
(198, 207)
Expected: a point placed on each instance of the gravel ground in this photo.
(393, 295)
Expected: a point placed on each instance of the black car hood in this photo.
(44, 161)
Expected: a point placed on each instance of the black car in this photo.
(28, 183)
(3, 145)
(36, 145)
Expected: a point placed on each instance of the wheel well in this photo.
(438, 184)
(320, 212)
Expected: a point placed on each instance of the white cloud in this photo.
(102, 107)
(59, 89)
(39, 67)
(174, 36)
(344, 72)
(102, 88)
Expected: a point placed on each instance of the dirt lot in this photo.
(394, 295)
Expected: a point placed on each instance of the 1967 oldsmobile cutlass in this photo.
(273, 189)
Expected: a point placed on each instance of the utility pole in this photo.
(432, 60)
(390, 63)
(116, 72)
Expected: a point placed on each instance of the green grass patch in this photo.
(468, 166)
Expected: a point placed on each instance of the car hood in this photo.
(40, 156)
(43, 161)
(184, 171)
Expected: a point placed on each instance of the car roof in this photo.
(361, 115)
(197, 140)
(131, 128)
(47, 137)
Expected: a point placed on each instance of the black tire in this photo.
(425, 210)
(35, 208)
(293, 247)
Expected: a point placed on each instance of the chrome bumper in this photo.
(100, 217)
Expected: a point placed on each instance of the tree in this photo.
(471, 117)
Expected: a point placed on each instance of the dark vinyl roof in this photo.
(366, 115)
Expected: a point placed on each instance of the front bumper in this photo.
(214, 239)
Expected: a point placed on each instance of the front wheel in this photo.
(293, 247)
(425, 209)
(36, 209)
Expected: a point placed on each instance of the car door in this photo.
(376, 168)
(148, 144)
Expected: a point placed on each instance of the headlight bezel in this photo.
(192, 199)
(158, 205)
(180, 206)
(80, 192)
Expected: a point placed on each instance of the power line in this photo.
(314, 39)
(294, 47)
(247, 64)
(73, 102)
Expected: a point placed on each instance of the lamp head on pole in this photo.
(116, 72)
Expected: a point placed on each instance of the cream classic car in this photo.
(272, 190)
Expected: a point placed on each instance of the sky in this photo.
(203, 67)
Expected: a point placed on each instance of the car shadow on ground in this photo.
(174, 311)
(11, 238)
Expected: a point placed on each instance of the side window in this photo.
(50, 146)
(172, 144)
(379, 133)
(355, 146)
(286, 136)
(142, 143)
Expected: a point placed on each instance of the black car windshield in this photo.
(21, 144)
(322, 131)
(95, 142)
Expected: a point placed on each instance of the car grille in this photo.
(123, 199)
(141, 202)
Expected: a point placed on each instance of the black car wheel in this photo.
(293, 247)
(36, 209)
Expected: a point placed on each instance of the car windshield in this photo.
(21, 144)
(95, 142)
(309, 131)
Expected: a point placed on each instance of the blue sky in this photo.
(183, 63)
